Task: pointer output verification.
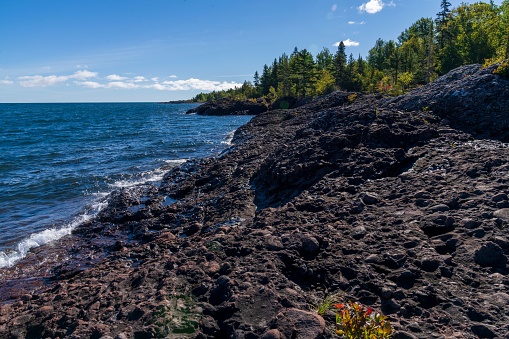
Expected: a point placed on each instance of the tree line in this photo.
(468, 34)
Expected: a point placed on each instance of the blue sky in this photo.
(160, 50)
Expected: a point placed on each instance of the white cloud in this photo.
(139, 79)
(40, 81)
(90, 84)
(170, 85)
(115, 77)
(50, 80)
(82, 75)
(122, 85)
(351, 22)
(111, 84)
(159, 87)
(356, 23)
(348, 43)
(197, 84)
(88, 79)
(372, 7)
(6, 82)
(351, 43)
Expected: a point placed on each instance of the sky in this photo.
(161, 50)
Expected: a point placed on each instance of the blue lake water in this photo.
(58, 162)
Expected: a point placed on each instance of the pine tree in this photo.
(274, 81)
(284, 76)
(325, 60)
(256, 80)
(265, 80)
(340, 65)
(441, 21)
(303, 72)
(361, 66)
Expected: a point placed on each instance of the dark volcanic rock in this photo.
(230, 107)
(469, 97)
(400, 204)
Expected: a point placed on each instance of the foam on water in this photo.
(7, 259)
(229, 139)
(153, 176)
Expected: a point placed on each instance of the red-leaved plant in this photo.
(354, 321)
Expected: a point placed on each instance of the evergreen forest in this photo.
(430, 47)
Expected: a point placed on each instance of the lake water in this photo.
(58, 162)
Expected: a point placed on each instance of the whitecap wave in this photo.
(229, 138)
(153, 176)
(8, 259)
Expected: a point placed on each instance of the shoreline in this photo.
(368, 199)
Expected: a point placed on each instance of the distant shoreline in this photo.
(180, 102)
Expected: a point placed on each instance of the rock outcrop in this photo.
(230, 107)
(399, 204)
(470, 98)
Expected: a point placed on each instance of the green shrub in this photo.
(354, 321)
(176, 319)
(503, 69)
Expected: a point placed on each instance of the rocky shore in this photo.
(400, 204)
(231, 107)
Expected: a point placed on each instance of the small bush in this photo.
(177, 319)
(325, 305)
(503, 69)
(354, 321)
(351, 98)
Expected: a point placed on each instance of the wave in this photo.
(9, 258)
(229, 139)
(153, 176)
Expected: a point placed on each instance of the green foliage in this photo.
(503, 69)
(351, 98)
(354, 321)
(303, 72)
(177, 319)
(214, 246)
(326, 304)
(324, 83)
(469, 33)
